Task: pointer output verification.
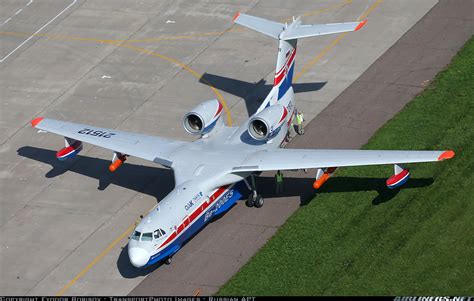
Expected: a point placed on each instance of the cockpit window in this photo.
(158, 233)
(147, 236)
(136, 235)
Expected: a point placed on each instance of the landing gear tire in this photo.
(251, 200)
(259, 202)
(168, 260)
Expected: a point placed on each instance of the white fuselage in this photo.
(191, 204)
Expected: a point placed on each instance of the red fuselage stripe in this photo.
(195, 214)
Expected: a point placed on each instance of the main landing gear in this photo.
(168, 260)
(254, 199)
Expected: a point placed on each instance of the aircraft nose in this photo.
(138, 257)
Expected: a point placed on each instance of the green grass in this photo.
(358, 238)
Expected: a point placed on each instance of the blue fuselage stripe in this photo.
(223, 204)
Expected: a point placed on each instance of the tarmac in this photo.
(138, 66)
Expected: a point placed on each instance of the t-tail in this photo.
(288, 35)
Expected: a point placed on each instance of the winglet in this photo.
(361, 24)
(35, 121)
(446, 155)
(235, 16)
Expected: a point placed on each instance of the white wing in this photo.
(284, 159)
(150, 148)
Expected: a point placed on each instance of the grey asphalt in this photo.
(348, 122)
(63, 224)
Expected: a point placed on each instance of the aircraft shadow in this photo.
(303, 187)
(130, 176)
(252, 93)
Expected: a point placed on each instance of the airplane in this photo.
(212, 171)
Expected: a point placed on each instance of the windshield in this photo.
(136, 235)
(158, 233)
(147, 236)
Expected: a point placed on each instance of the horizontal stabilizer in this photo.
(294, 30)
(305, 31)
(270, 28)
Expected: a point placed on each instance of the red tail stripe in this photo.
(288, 61)
(284, 70)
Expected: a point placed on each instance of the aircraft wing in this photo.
(150, 148)
(285, 159)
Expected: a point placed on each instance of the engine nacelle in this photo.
(203, 118)
(267, 123)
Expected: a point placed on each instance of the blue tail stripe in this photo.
(286, 83)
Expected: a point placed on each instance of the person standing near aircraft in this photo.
(299, 122)
(279, 182)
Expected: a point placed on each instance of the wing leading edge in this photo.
(146, 147)
(286, 159)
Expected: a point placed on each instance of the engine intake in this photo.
(203, 118)
(267, 123)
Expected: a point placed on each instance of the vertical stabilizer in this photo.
(287, 34)
(285, 66)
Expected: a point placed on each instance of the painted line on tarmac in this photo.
(97, 259)
(167, 38)
(336, 41)
(187, 68)
(16, 13)
(36, 32)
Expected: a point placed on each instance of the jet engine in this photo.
(267, 123)
(203, 118)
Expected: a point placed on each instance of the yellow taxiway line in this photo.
(97, 259)
(187, 68)
(336, 41)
